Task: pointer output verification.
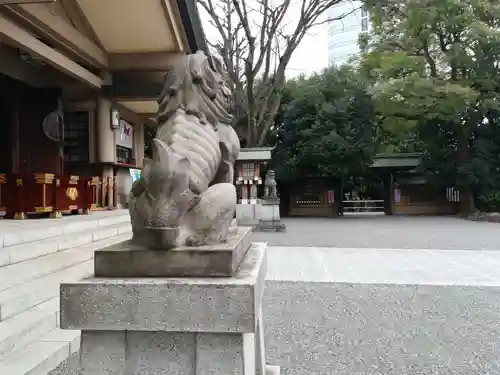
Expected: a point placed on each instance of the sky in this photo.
(311, 55)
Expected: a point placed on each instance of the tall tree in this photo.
(327, 127)
(257, 40)
(485, 165)
(435, 63)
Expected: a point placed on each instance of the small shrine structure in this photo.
(247, 173)
(254, 207)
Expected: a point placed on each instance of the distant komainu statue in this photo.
(270, 184)
(186, 195)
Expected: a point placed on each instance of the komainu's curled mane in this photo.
(186, 193)
(199, 88)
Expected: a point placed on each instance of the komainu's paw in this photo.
(194, 240)
(214, 238)
(201, 240)
(233, 228)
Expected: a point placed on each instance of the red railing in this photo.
(47, 193)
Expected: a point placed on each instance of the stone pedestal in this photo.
(246, 214)
(269, 218)
(175, 326)
(127, 259)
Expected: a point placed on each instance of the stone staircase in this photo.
(35, 257)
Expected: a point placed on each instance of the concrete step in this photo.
(24, 296)
(18, 273)
(16, 232)
(42, 355)
(20, 330)
(31, 270)
(30, 306)
(29, 250)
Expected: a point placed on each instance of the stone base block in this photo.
(127, 259)
(224, 304)
(269, 217)
(270, 201)
(270, 226)
(272, 370)
(170, 353)
(252, 214)
(268, 212)
(246, 214)
(184, 326)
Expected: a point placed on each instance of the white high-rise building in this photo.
(343, 34)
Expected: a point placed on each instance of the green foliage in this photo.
(490, 202)
(435, 58)
(434, 68)
(485, 165)
(326, 126)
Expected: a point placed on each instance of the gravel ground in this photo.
(389, 232)
(351, 329)
(367, 329)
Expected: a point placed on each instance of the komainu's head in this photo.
(197, 84)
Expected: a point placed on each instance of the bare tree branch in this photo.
(257, 41)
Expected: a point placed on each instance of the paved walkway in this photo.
(383, 296)
(385, 266)
(385, 249)
(389, 232)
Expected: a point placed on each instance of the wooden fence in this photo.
(49, 194)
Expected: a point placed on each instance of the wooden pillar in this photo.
(61, 137)
(106, 148)
(389, 200)
(104, 191)
(114, 184)
(108, 191)
(15, 134)
(253, 192)
(16, 209)
(89, 193)
(56, 200)
(105, 134)
(256, 171)
(95, 184)
(138, 150)
(341, 196)
(245, 196)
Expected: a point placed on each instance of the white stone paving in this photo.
(386, 266)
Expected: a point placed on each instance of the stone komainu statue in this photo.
(270, 184)
(186, 193)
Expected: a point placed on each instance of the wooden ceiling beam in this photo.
(149, 61)
(56, 31)
(17, 37)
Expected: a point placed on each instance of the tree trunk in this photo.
(466, 205)
(251, 129)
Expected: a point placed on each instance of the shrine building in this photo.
(78, 86)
